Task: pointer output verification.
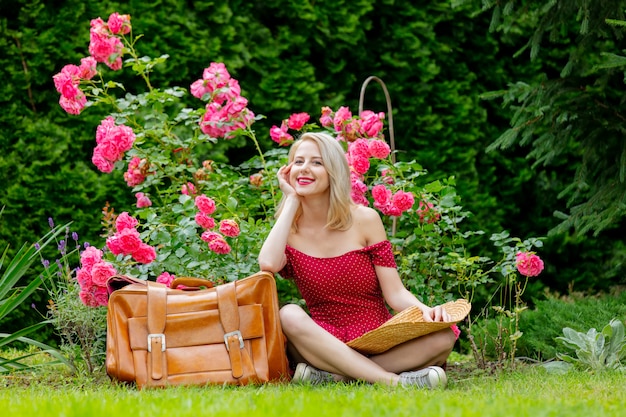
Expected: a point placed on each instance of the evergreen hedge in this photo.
(292, 56)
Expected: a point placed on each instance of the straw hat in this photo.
(407, 325)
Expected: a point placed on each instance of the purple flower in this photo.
(46, 263)
(37, 246)
(51, 222)
(75, 236)
(62, 247)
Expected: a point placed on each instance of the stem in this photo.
(252, 136)
(133, 53)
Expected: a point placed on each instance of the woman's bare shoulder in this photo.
(369, 223)
(365, 214)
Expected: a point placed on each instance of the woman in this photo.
(339, 256)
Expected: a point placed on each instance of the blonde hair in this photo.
(334, 159)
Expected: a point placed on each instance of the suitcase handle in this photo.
(195, 283)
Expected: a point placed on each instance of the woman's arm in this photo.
(272, 255)
(395, 293)
(398, 297)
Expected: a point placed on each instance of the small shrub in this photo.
(595, 351)
(542, 324)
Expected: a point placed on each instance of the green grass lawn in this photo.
(528, 392)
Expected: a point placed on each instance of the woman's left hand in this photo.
(437, 313)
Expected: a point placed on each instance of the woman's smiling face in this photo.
(308, 174)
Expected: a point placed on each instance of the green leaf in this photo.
(557, 367)
(433, 187)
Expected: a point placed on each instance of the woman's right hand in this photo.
(283, 180)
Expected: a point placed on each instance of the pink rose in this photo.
(89, 257)
(113, 244)
(144, 254)
(204, 221)
(219, 246)
(371, 123)
(103, 129)
(357, 183)
(101, 272)
(109, 150)
(123, 137)
(381, 194)
(87, 296)
(101, 296)
(118, 23)
(391, 210)
(359, 198)
(359, 147)
(229, 92)
(209, 236)
(360, 164)
(280, 135)
(88, 68)
(102, 46)
(73, 105)
(188, 189)
(216, 74)
(379, 149)
(326, 119)
(298, 120)
(112, 141)
(83, 277)
(199, 88)
(528, 264)
(133, 176)
(125, 221)
(143, 200)
(351, 130)
(221, 120)
(114, 60)
(103, 164)
(342, 115)
(403, 201)
(129, 241)
(98, 27)
(94, 296)
(229, 228)
(205, 204)
(166, 278)
(66, 82)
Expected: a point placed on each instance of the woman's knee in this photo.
(445, 340)
(292, 318)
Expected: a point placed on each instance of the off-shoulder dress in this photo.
(342, 293)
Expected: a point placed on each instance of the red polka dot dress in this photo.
(342, 293)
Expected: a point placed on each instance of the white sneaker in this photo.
(306, 374)
(431, 377)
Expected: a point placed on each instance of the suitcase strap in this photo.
(157, 313)
(240, 360)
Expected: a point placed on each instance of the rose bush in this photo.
(196, 217)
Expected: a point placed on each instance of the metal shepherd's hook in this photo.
(392, 144)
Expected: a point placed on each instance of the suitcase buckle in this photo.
(154, 336)
(235, 333)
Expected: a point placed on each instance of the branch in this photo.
(25, 66)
